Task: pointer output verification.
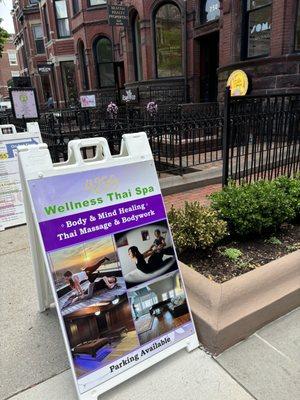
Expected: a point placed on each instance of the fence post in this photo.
(226, 137)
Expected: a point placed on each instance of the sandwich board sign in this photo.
(11, 202)
(99, 232)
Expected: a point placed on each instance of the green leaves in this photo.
(232, 254)
(196, 227)
(260, 207)
(4, 35)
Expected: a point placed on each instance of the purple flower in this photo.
(152, 108)
(112, 109)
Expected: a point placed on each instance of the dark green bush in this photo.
(255, 208)
(196, 227)
(291, 187)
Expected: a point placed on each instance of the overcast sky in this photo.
(5, 9)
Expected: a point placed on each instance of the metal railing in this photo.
(256, 137)
(261, 137)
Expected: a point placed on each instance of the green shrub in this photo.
(273, 240)
(196, 227)
(254, 208)
(232, 254)
(291, 187)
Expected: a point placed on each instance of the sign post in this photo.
(117, 14)
(12, 211)
(100, 233)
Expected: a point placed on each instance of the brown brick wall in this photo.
(278, 72)
(6, 69)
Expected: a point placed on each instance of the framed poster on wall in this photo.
(24, 103)
(88, 100)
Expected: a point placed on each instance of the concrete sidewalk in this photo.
(34, 364)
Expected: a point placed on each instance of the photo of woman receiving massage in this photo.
(141, 260)
(87, 273)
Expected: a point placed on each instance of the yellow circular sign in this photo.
(238, 82)
(23, 98)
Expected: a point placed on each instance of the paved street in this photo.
(34, 365)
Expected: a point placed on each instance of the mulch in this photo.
(255, 253)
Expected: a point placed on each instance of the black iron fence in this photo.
(261, 137)
(255, 137)
(177, 93)
(179, 142)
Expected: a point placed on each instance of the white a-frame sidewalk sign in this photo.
(99, 234)
(11, 203)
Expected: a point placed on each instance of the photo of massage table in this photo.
(91, 347)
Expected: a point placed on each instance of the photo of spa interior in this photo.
(159, 308)
(100, 334)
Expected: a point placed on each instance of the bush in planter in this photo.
(254, 208)
(196, 227)
(291, 187)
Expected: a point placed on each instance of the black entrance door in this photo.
(209, 63)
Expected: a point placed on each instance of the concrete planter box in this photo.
(227, 313)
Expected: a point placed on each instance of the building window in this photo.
(297, 36)
(15, 74)
(62, 19)
(258, 19)
(75, 5)
(93, 3)
(137, 50)
(69, 81)
(34, 1)
(45, 13)
(210, 10)
(104, 62)
(168, 40)
(83, 66)
(38, 38)
(12, 57)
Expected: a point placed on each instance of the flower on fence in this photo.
(152, 108)
(112, 109)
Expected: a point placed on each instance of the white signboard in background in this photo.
(11, 202)
(102, 224)
(24, 103)
(88, 101)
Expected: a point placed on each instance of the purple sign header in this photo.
(76, 228)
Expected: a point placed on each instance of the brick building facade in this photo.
(193, 44)
(9, 67)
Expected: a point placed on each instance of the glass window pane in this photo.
(106, 72)
(259, 33)
(40, 48)
(69, 79)
(252, 4)
(38, 31)
(97, 2)
(75, 6)
(12, 57)
(104, 50)
(63, 27)
(211, 10)
(297, 38)
(168, 41)
(61, 9)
